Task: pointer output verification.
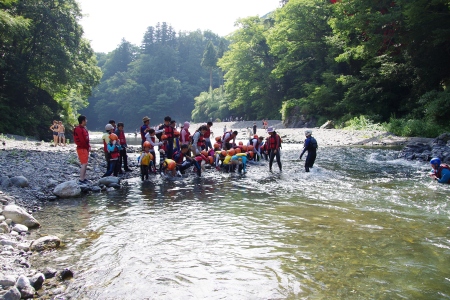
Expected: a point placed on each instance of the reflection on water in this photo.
(362, 225)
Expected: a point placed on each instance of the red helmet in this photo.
(113, 137)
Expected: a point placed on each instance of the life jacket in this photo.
(145, 161)
(229, 138)
(178, 156)
(207, 133)
(274, 142)
(170, 164)
(116, 153)
(258, 143)
(187, 135)
(201, 140)
(438, 172)
(153, 138)
(81, 137)
(121, 136)
(168, 131)
(225, 133)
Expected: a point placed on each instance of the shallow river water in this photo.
(361, 225)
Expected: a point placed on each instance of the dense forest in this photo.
(160, 77)
(47, 70)
(367, 61)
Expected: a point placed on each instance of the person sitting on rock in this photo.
(440, 171)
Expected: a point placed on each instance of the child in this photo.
(183, 165)
(108, 130)
(114, 153)
(145, 160)
(123, 143)
(169, 167)
(150, 137)
(240, 160)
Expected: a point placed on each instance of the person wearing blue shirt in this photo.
(440, 172)
(310, 146)
(241, 161)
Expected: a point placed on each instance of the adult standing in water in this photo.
(273, 147)
(310, 146)
(81, 139)
(144, 130)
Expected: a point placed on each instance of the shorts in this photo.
(55, 133)
(61, 134)
(83, 156)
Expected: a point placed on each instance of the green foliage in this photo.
(213, 105)
(415, 127)
(47, 70)
(362, 123)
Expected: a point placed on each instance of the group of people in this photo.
(58, 130)
(180, 150)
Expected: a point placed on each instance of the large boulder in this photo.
(20, 216)
(44, 243)
(108, 181)
(67, 189)
(19, 181)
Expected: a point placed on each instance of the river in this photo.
(361, 225)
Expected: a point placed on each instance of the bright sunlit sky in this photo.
(106, 22)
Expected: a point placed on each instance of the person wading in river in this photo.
(273, 147)
(310, 146)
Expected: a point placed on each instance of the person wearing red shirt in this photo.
(81, 139)
(207, 135)
(273, 147)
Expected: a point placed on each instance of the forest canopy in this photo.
(47, 69)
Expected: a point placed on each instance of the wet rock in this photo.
(24, 286)
(19, 181)
(107, 181)
(114, 185)
(66, 274)
(7, 280)
(20, 228)
(20, 216)
(44, 243)
(96, 189)
(37, 280)
(67, 189)
(12, 294)
(49, 273)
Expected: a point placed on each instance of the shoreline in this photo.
(45, 166)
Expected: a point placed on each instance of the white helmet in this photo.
(308, 132)
(108, 127)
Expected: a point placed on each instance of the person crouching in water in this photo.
(240, 161)
(184, 161)
(440, 171)
(169, 167)
(145, 160)
(310, 146)
(114, 153)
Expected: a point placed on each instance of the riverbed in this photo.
(361, 225)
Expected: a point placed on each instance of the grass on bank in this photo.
(399, 127)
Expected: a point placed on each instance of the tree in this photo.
(209, 61)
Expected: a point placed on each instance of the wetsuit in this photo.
(310, 146)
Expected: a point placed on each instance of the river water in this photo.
(361, 225)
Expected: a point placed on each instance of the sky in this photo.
(106, 22)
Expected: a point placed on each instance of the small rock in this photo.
(49, 273)
(12, 294)
(20, 228)
(96, 189)
(8, 280)
(19, 181)
(114, 185)
(24, 246)
(24, 286)
(109, 180)
(66, 274)
(4, 227)
(44, 243)
(37, 280)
